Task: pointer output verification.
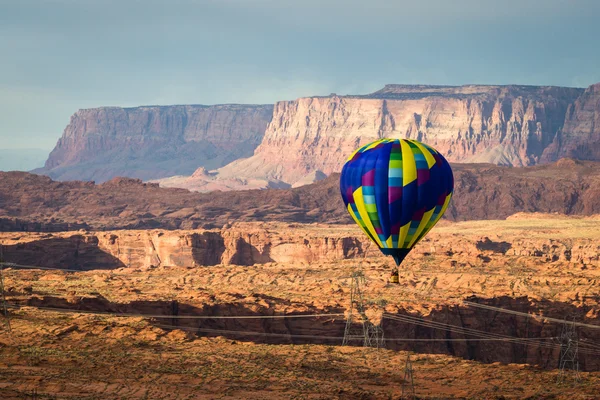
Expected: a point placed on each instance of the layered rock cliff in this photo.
(580, 135)
(505, 125)
(529, 240)
(266, 146)
(155, 141)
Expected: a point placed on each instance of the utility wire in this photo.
(485, 336)
(130, 315)
(482, 334)
(457, 329)
(244, 333)
(504, 310)
(14, 265)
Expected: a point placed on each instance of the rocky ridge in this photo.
(482, 191)
(155, 141)
(580, 135)
(543, 266)
(258, 147)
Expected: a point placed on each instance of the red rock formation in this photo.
(251, 244)
(580, 135)
(482, 191)
(155, 141)
(506, 125)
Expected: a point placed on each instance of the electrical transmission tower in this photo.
(408, 383)
(569, 347)
(371, 335)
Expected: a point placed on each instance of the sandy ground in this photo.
(116, 358)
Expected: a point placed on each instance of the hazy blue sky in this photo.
(62, 55)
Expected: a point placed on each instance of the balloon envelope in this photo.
(396, 190)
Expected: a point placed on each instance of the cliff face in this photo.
(153, 142)
(284, 145)
(506, 125)
(580, 135)
(289, 244)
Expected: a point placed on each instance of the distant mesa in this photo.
(293, 143)
(155, 141)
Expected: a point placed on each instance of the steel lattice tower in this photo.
(569, 347)
(371, 335)
(408, 383)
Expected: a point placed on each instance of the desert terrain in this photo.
(153, 289)
(180, 182)
(258, 310)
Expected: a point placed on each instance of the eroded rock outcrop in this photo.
(580, 135)
(155, 141)
(482, 191)
(505, 125)
(252, 244)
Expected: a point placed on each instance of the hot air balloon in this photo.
(396, 190)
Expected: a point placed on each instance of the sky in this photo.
(58, 56)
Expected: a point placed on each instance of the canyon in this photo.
(164, 307)
(264, 243)
(127, 289)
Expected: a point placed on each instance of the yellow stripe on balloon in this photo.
(353, 154)
(389, 242)
(422, 225)
(358, 222)
(444, 207)
(426, 153)
(402, 237)
(362, 210)
(375, 143)
(432, 223)
(409, 167)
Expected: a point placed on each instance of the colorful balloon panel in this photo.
(396, 190)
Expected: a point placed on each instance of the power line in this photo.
(588, 348)
(408, 380)
(369, 333)
(457, 329)
(483, 335)
(569, 349)
(132, 315)
(523, 314)
(491, 339)
(20, 266)
(248, 333)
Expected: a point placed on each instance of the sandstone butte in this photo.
(298, 142)
(31, 202)
(155, 141)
